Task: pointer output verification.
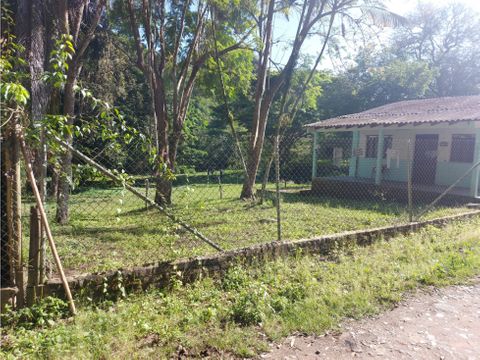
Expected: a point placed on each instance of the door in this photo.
(425, 159)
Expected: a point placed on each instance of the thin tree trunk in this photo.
(256, 145)
(40, 93)
(163, 194)
(65, 176)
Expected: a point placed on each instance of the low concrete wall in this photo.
(103, 285)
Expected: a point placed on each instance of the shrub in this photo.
(40, 314)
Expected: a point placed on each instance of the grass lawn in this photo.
(110, 228)
(253, 305)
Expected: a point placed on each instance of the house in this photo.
(430, 143)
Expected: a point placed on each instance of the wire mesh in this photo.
(346, 181)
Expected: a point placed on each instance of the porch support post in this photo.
(378, 169)
(352, 171)
(314, 154)
(476, 172)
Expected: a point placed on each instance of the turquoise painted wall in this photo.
(365, 168)
(447, 172)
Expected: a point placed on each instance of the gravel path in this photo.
(438, 324)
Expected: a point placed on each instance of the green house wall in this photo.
(447, 172)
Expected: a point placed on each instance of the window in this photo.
(462, 148)
(372, 145)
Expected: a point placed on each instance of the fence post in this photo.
(220, 188)
(147, 188)
(34, 257)
(409, 181)
(277, 184)
(314, 155)
(14, 213)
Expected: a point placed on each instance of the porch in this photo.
(361, 188)
(432, 143)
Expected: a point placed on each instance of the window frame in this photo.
(372, 154)
(464, 154)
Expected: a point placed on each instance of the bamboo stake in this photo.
(134, 191)
(43, 215)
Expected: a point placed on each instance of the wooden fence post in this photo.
(14, 213)
(34, 258)
(147, 188)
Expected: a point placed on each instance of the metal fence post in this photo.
(277, 183)
(474, 182)
(314, 155)
(409, 181)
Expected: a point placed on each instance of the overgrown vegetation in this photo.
(253, 305)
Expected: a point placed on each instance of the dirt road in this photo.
(438, 324)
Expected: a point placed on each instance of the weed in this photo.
(255, 303)
(43, 313)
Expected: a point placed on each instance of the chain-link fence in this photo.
(328, 182)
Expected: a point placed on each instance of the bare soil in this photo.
(431, 324)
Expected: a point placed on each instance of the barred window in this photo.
(372, 145)
(462, 148)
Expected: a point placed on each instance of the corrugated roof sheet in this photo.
(446, 109)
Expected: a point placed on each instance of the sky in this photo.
(404, 6)
(284, 31)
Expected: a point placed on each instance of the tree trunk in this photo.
(163, 194)
(257, 140)
(65, 176)
(40, 93)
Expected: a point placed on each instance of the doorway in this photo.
(425, 159)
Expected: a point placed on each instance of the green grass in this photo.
(256, 304)
(110, 228)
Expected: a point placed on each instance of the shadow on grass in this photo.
(382, 206)
(103, 233)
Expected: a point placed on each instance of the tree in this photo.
(447, 38)
(315, 17)
(78, 19)
(33, 28)
(376, 79)
(173, 42)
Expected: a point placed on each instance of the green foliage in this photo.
(256, 304)
(247, 307)
(59, 60)
(377, 79)
(13, 95)
(44, 313)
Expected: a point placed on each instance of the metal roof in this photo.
(436, 110)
